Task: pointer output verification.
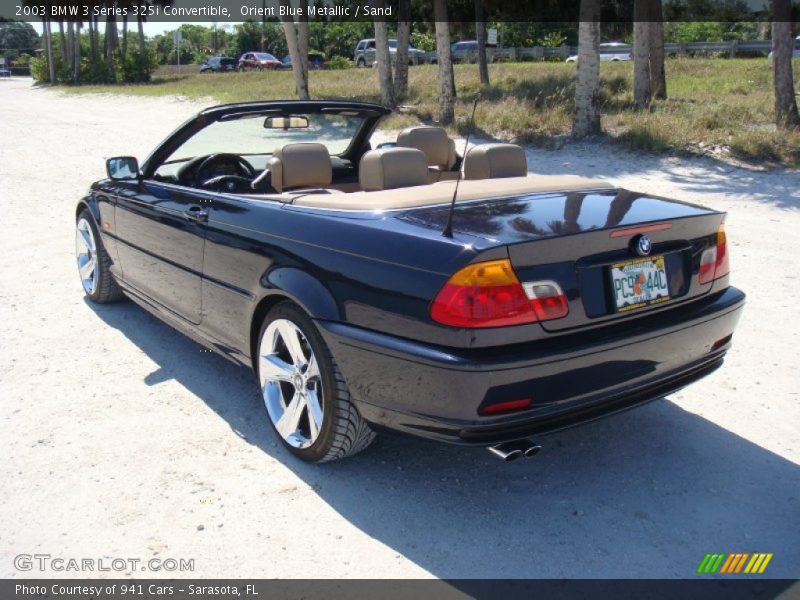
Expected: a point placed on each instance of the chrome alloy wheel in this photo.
(290, 383)
(86, 254)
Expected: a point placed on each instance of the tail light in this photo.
(714, 262)
(488, 294)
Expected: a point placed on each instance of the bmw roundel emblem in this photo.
(643, 245)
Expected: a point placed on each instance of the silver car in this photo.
(610, 52)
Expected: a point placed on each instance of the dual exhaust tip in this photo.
(510, 451)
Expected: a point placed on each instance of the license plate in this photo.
(639, 283)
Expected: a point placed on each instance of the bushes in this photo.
(132, 68)
(339, 62)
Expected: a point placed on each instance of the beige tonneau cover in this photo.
(442, 192)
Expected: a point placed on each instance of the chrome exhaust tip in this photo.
(505, 454)
(532, 451)
(509, 451)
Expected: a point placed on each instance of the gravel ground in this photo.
(122, 439)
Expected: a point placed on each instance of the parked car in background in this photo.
(465, 51)
(219, 64)
(315, 61)
(252, 61)
(795, 53)
(365, 53)
(610, 52)
(5, 73)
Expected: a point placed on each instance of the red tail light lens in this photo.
(505, 407)
(714, 261)
(488, 294)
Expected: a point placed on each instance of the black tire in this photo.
(106, 288)
(361, 63)
(343, 432)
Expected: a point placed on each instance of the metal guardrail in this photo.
(731, 48)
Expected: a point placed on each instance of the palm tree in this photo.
(658, 75)
(786, 116)
(447, 84)
(642, 93)
(401, 56)
(299, 57)
(383, 57)
(480, 35)
(586, 117)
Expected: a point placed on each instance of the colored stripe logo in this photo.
(737, 562)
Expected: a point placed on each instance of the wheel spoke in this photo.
(86, 238)
(312, 370)
(272, 368)
(87, 269)
(290, 418)
(291, 337)
(314, 413)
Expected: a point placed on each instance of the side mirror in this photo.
(122, 167)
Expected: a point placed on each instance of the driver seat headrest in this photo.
(302, 164)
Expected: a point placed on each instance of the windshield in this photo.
(248, 136)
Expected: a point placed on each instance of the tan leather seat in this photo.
(300, 165)
(494, 161)
(439, 149)
(389, 168)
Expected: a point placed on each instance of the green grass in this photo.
(724, 106)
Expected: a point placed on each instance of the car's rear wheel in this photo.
(94, 262)
(304, 394)
(361, 63)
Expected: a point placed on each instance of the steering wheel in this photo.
(204, 174)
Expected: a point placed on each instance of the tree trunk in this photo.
(92, 41)
(447, 84)
(641, 55)
(480, 34)
(48, 49)
(142, 46)
(299, 65)
(658, 74)
(383, 57)
(76, 68)
(786, 116)
(124, 36)
(70, 57)
(401, 58)
(586, 117)
(64, 51)
(303, 35)
(111, 38)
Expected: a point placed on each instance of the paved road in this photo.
(121, 438)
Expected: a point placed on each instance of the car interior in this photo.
(420, 169)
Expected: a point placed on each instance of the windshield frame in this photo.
(373, 113)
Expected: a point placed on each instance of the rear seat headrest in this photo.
(490, 161)
(439, 149)
(303, 164)
(388, 168)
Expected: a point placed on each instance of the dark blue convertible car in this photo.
(456, 298)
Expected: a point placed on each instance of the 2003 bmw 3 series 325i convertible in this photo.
(459, 299)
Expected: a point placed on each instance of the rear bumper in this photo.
(435, 392)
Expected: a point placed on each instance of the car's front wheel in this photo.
(94, 263)
(304, 394)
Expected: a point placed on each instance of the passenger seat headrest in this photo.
(303, 164)
(439, 149)
(491, 161)
(388, 168)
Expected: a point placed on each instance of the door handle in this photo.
(196, 213)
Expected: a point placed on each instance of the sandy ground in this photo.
(120, 438)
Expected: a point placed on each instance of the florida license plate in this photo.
(639, 283)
